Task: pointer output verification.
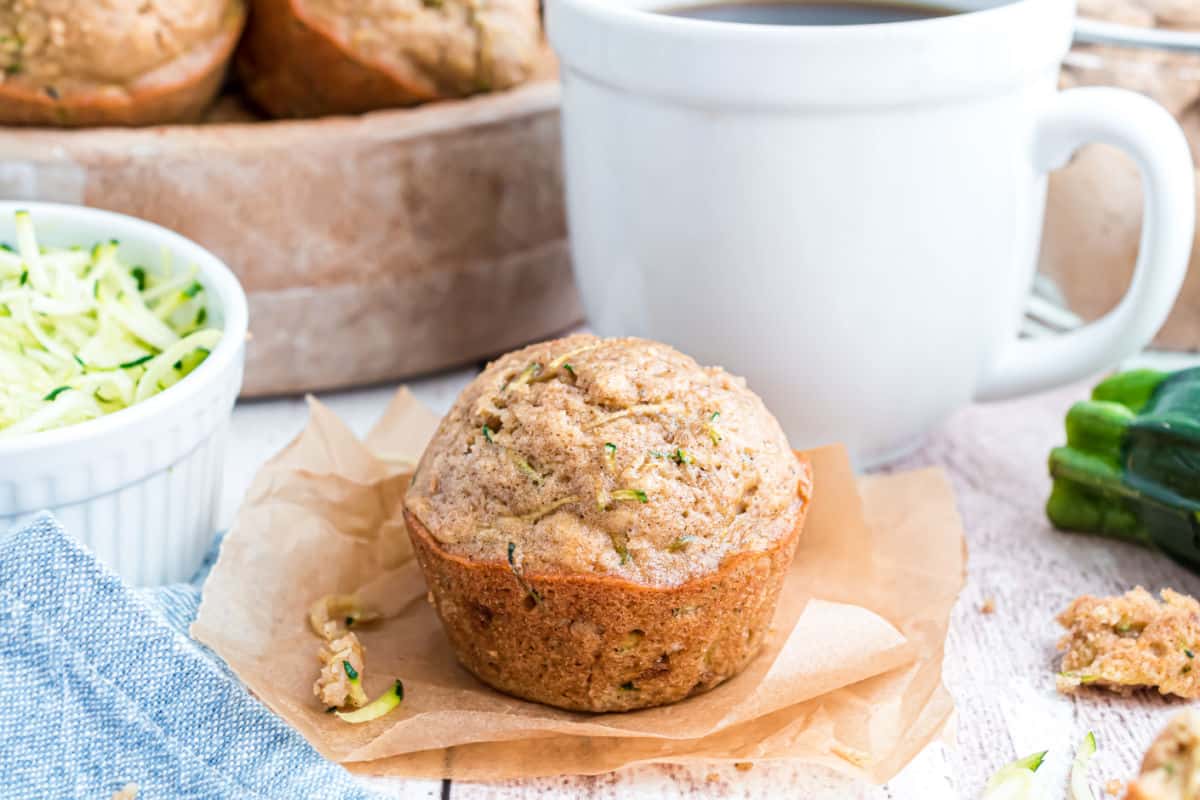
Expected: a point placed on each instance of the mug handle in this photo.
(1148, 133)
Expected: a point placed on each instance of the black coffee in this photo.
(806, 13)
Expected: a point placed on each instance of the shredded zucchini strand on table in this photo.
(83, 334)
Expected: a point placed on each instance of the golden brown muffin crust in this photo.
(609, 457)
(305, 58)
(600, 643)
(96, 43)
(113, 62)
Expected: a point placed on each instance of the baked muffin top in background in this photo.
(607, 456)
(121, 62)
(311, 58)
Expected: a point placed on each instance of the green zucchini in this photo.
(1131, 466)
(375, 709)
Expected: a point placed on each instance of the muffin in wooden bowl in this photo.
(120, 62)
(605, 525)
(310, 58)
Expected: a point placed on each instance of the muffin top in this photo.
(60, 46)
(615, 457)
(447, 46)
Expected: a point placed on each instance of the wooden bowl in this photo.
(371, 248)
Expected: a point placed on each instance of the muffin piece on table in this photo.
(1131, 642)
(606, 525)
(1171, 767)
(123, 62)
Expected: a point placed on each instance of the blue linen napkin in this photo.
(100, 686)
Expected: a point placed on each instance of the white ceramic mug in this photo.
(848, 216)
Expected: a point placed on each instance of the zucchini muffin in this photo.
(605, 525)
(310, 58)
(119, 62)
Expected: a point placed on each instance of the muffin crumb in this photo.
(340, 682)
(334, 614)
(1171, 767)
(1131, 641)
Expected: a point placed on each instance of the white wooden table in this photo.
(999, 666)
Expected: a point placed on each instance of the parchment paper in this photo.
(850, 677)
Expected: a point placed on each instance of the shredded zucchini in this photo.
(604, 499)
(522, 464)
(630, 494)
(714, 432)
(620, 543)
(83, 334)
(538, 513)
(645, 408)
(680, 543)
(681, 456)
(356, 696)
(1079, 788)
(532, 594)
(1014, 781)
(527, 374)
(376, 708)
(560, 363)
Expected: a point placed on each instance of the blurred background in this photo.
(1094, 208)
(390, 194)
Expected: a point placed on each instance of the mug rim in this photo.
(650, 13)
(620, 45)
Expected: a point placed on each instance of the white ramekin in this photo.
(139, 487)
